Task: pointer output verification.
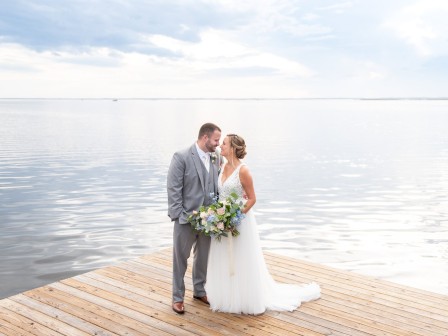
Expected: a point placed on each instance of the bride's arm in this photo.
(248, 186)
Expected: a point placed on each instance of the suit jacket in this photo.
(186, 183)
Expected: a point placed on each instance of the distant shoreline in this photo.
(173, 98)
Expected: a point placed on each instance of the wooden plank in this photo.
(380, 312)
(331, 328)
(383, 298)
(370, 309)
(360, 322)
(163, 295)
(392, 323)
(285, 274)
(365, 282)
(375, 283)
(311, 271)
(164, 272)
(51, 322)
(14, 324)
(70, 287)
(354, 287)
(134, 298)
(146, 310)
(162, 303)
(57, 313)
(146, 266)
(94, 314)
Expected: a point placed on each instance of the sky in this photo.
(223, 49)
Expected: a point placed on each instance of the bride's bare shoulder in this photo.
(244, 170)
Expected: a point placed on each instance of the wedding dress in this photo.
(238, 280)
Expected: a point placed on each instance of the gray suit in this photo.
(189, 186)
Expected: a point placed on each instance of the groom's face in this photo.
(213, 141)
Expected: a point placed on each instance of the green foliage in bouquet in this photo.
(219, 219)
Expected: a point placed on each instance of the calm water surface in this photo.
(357, 185)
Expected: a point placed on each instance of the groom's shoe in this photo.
(203, 299)
(178, 307)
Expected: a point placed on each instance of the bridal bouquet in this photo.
(218, 219)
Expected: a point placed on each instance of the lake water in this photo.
(359, 185)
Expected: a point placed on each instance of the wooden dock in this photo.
(134, 298)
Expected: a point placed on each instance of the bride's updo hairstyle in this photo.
(238, 144)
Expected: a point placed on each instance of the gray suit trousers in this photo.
(184, 238)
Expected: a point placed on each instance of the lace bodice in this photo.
(231, 184)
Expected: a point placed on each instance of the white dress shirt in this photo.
(205, 157)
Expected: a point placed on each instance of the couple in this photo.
(230, 275)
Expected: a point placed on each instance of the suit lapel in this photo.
(213, 175)
(214, 166)
(198, 164)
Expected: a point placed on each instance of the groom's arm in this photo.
(175, 186)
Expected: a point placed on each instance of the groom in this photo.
(192, 182)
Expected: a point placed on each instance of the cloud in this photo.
(338, 7)
(61, 74)
(286, 17)
(222, 48)
(52, 24)
(217, 50)
(422, 25)
(368, 70)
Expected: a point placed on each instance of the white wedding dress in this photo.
(238, 280)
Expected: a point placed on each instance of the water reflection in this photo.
(351, 184)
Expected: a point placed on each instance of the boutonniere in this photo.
(213, 157)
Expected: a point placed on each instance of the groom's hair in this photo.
(208, 129)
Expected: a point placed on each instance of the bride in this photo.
(238, 280)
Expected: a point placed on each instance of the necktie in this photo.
(206, 159)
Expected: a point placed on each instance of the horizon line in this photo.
(228, 98)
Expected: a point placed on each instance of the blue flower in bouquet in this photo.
(219, 219)
(211, 219)
(238, 218)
